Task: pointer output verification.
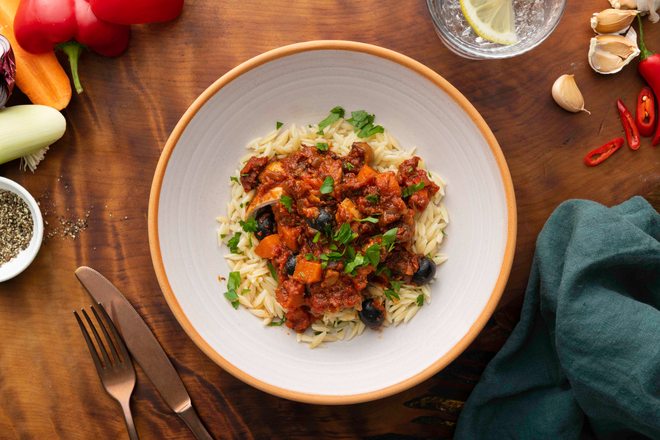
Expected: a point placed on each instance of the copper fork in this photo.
(118, 378)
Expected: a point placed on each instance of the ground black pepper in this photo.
(16, 226)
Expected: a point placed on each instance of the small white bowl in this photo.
(24, 259)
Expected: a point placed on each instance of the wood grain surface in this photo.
(100, 174)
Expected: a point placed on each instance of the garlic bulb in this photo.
(612, 21)
(610, 53)
(565, 92)
(643, 6)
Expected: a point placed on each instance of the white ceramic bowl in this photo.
(24, 259)
(300, 84)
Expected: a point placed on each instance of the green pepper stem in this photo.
(73, 49)
(644, 52)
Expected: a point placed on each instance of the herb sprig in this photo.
(233, 283)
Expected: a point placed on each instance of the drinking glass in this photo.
(534, 19)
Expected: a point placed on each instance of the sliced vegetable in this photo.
(645, 115)
(27, 131)
(629, 126)
(7, 70)
(602, 153)
(307, 272)
(268, 247)
(40, 77)
(649, 68)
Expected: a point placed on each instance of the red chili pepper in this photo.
(629, 126)
(645, 115)
(649, 67)
(40, 25)
(136, 11)
(603, 152)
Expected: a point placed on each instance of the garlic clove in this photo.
(610, 53)
(612, 21)
(566, 93)
(624, 4)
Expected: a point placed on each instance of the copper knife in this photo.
(144, 348)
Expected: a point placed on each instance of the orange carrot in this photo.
(307, 272)
(268, 247)
(40, 77)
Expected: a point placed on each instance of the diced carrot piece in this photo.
(289, 236)
(387, 184)
(366, 174)
(307, 271)
(269, 247)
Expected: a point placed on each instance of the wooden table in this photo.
(105, 162)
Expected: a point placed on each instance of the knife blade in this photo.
(144, 347)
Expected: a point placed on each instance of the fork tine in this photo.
(98, 340)
(120, 341)
(90, 345)
(107, 336)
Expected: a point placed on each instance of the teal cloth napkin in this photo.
(584, 361)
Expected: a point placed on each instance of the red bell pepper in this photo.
(602, 153)
(645, 114)
(40, 25)
(629, 126)
(649, 67)
(136, 11)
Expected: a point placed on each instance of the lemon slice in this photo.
(491, 19)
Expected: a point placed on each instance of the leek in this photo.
(26, 131)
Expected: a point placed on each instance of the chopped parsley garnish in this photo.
(241, 205)
(420, 299)
(389, 238)
(391, 294)
(287, 201)
(280, 322)
(333, 246)
(373, 254)
(345, 234)
(335, 114)
(223, 235)
(233, 243)
(444, 233)
(368, 219)
(358, 261)
(309, 257)
(233, 284)
(244, 175)
(326, 188)
(234, 179)
(412, 189)
(279, 125)
(249, 226)
(396, 285)
(350, 166)
(324, 264)
(387, 271)
(317, 237)
(372, 198)
(350, 253)
(322, 147)
(364, 123)
(273, 272)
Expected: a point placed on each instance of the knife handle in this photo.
(189, 416)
